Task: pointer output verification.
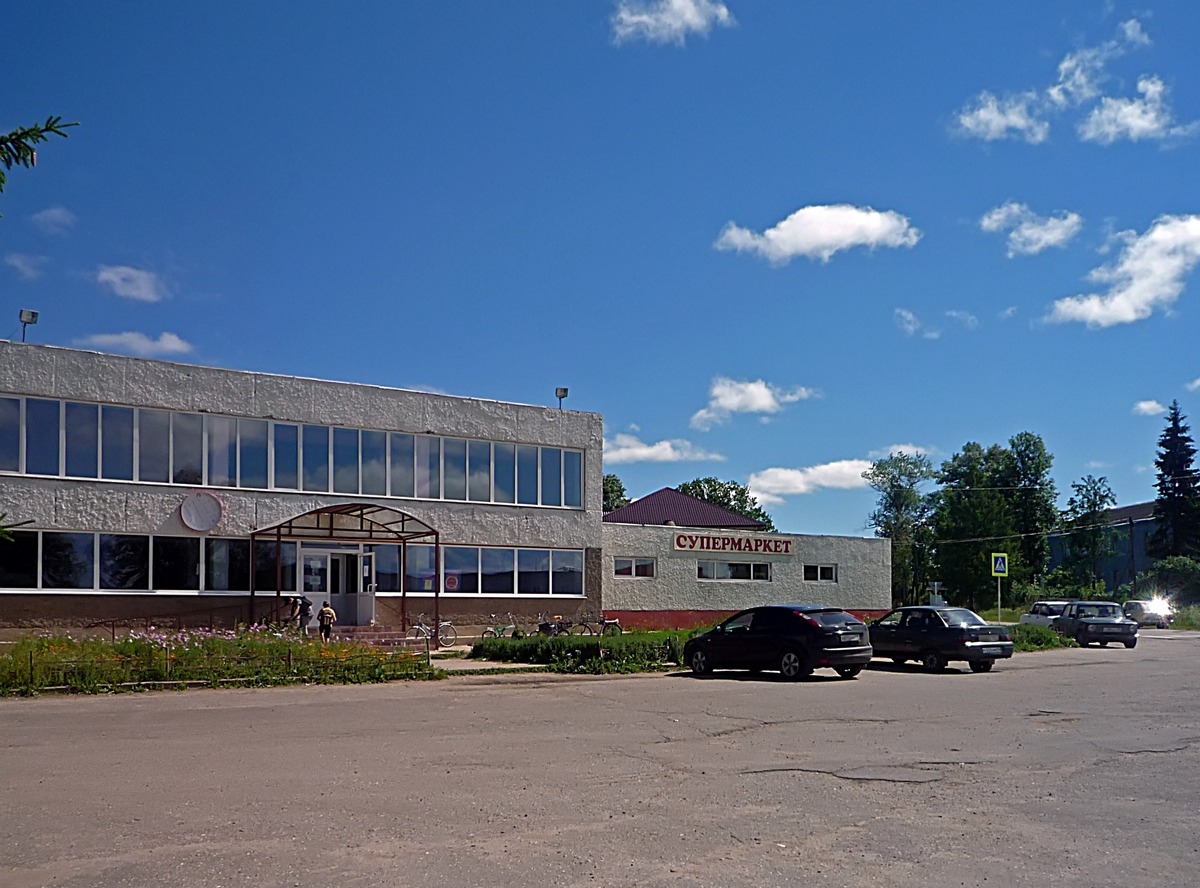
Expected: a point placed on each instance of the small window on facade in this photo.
(572, 479)
(623, 567)
(633, 567)
(820, 573)
(733, 570)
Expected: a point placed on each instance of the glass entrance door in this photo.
(365, 606)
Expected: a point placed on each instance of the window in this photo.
(154, 445)
(10, 434)
(374, 463)
(68, 560)
(124, 561)
(387, 567)
(479, 471)
(265, 565)
(567, 572)
(429, 467)
(222, 451)
(455, 468)
(419, 570)
(551, 476)
(286, 455)
(116, 443)
(402, 464)
(633, 567)
(345, 461)
(460, 569)
(19, 561)
(176, 562)
(226, 565)
(187, 448)
(41, 436)
(497, 574)
(820, 573)
(505, 473)
(733, 570)
(252, 455)
(527, 474)
(573, 479)
(316, 458)
(533, 571)
(83, 440)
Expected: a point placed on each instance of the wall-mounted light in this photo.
(560, 393)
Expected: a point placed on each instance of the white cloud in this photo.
(1096, 464)
(908, 322)
(1010, 312)
(728, 396)
(132, 283)
(624, 448)
(137, 343)
(910, 449)
(991, 118)
(1148, 274)
(770, 486)
(819, 232)
(1080, 73)
(1193, 385)
(1134, 119)
(55, 220)
(965, 318)
(668, 21)
(1029, 233)
(1149, 408)
(28, 267)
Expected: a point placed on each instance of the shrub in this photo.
(631, 652)
(1029, 637)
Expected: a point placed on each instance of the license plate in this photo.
(853, 638)
(993, 650)
(1112, 628)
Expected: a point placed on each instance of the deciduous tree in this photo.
(728, 495)
(1089, 538)
(903, 516)
(614, 493)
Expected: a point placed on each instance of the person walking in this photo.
(293, 614)
(305, 616)
(326, 617)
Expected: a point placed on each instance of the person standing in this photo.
(305, 616)
(293, 615)
(326, 617)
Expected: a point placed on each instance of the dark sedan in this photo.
(936, 635)
(793, 638)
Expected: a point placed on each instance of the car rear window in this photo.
(960, 616)
(831, 618)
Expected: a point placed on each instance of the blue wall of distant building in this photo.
(1119, 568)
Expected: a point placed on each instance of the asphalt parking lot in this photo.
(1073, 767)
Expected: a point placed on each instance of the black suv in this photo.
(793, 638)
(936, 635)
(1102, 621)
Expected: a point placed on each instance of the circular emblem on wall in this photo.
(200, 511)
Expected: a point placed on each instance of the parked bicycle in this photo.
(447, 635)
(498, 629)
(589, 625)
(552, 626)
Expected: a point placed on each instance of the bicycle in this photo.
(498, 629)
(552, 627)
(588, 625)
(447, 635)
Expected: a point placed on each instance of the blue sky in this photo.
(768, 241)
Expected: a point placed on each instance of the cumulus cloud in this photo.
(1193, 385)
(1008, 313)
(1147, 117)
(668, 21)
(28, 267)
(54, 220)
(770, 486)
(1029, 233)
(965, 318)
(132, 283)
(911, 325)
(1149, 274)
(819, 232)
(1149, 408)
(991, 118)
(729, 396)
(1081, 75)
(137, 344)
(625, 448)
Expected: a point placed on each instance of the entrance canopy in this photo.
(354, 523)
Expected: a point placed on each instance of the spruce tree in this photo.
(1177, 507)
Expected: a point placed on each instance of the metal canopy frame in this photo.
(353, 523)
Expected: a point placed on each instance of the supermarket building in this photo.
(162, 491)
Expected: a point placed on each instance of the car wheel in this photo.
(981, 665)
(1162, 625)
(899, 661)
(793, 664)
(933, 661)
(1131, 644)
(700, 663)
(848, 671)
(1081, 639)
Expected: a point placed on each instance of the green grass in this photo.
(590, 654)
(251, 656)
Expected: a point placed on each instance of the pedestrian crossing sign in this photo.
(999, 564)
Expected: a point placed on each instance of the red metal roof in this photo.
(669, 506)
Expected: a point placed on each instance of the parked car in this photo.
(1100, 621)
(936, 635)
(793, 638)
(1155, 612)
(1043, 613)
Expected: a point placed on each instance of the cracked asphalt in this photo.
(1074, 767)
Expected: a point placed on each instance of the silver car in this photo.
(1044, 612)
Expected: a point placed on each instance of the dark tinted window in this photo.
(19, 561)
(461, 568)
(227, 565)
(498, 571)
(187, 456)
(124, 561)
(402, 465)
(265, 566)
(252, 441)
(567, 572)
(10, 434)
(533, 571)
(154, 447)
(83, 440)
(116, 443)
(41, 437)
(287, 465)
(68, 561)
(374, 463)
(176, 562)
